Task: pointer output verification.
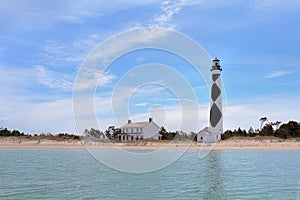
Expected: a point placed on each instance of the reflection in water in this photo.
(298, 193)
(213, 176)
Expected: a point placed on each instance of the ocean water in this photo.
(75, 174)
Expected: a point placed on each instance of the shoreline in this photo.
(153, 146)
(235, 143)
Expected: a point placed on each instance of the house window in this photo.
(131, 137)
(120, 138)
(131, 130)
(123, 137)
(137, 138)
(201, 138)
(217, 136)
(142, 137)
(127, 137)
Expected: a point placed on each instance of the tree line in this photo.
(177, 135)
(276, 129)
(4, 132)
(283, 131)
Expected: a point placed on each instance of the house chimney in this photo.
(150, 120)
(129, 121)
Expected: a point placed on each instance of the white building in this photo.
(213, 132)
(139, 131)
(208, 135)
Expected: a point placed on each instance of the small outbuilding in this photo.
(209, 135)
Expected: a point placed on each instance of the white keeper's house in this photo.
(139, 131)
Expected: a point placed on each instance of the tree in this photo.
(112, 132)
(240, 132)
(267, 130)
(291, 129)
(166, 135)
(276, 124)
(93, 133)
(163, 132)
(281, 133)
(5, 132)
(193, 136)
(251, 132)
(227, 134)
(96, 133)
(86, 133)
(262, 120)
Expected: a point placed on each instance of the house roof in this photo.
(135, 125)
(209, 131)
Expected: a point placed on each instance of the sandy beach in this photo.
(230, 144)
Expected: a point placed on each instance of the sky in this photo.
(43, 45)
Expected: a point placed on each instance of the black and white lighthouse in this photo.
(213, 132)
(216, 116)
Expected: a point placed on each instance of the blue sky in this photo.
(43, 44)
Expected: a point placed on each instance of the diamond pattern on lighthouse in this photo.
(213, 132)
(215, 92)
(215, 77)
(215, 115)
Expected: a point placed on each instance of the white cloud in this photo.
(92, 79)
(87, 43)
(187, 117)
(17, 80)
(55, 116)
(53, 79)
(45, 15)
(70, 18)
(277, 74)
(164, 18)
(72, 54)
(248, 114)
(2, 118)
(59, 55)
(141, 104)
(275, 4)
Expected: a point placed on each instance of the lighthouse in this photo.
(213, 132)
(216, 117)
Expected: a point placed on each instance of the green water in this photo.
(75, 174)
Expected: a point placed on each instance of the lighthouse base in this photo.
(208, 135)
